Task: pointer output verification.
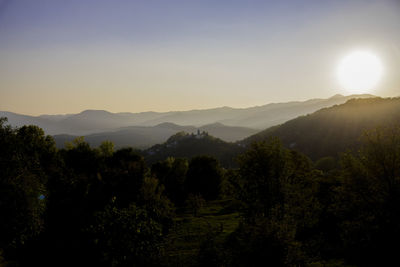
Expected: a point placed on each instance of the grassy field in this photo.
(215, 220)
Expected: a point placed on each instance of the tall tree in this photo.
(172, 174)
(277, 190)
(204, 177)
(368, 202)
(26, 160)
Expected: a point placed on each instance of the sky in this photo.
(66, 56)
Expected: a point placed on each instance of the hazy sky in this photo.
(65, 56)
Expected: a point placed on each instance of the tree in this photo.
(127, 236)
(26, 162)
(172, 174)
(158, 206)
(106, 148)
(204, 177)
(277, 190)
(263, 168)
(81, 159)
(133, 235)
(124, 175)
(326, 164)
(368, 201)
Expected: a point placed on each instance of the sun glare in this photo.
(359, 72)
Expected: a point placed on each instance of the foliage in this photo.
(326, 164)
(369, 198)
(26, 158)
(106, 148)
(172, 174)
(85, 206)
(333, 130)
(277, 190)
(184, 145)
(204, 177)
(124, 175)
(131, 236)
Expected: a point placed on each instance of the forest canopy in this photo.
(105, 207)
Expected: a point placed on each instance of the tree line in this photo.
(100, 207)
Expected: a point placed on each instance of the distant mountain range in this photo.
(324, 133)
(148, 128)
(146, 136)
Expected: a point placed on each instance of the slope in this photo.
(187, 145)
(330, 131)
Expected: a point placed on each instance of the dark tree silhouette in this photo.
(204, 177)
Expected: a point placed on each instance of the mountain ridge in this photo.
(95, 121)
(325, 133)
(142, 137)
(329, 131)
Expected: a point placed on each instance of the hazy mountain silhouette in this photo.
(326, 132)
(259, 117)
(49, 123)
(146, 136)
(96, 121)
(134, 136)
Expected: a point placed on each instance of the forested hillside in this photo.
(187, 145)
(322, 134)
(330, 131)
(103, 207)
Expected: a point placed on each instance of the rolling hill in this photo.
(187, 145)
(330, 131)
(327, 132)
(145, 136)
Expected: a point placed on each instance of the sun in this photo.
(359, 72)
